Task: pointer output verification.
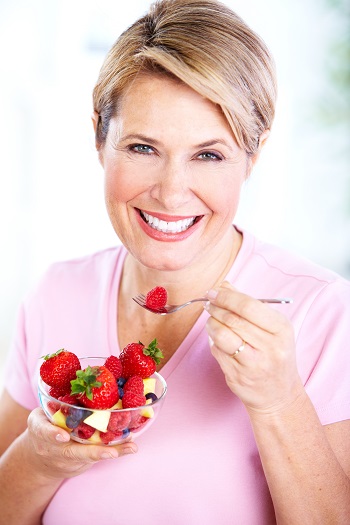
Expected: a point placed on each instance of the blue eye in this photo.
(209, 155)
(141, 148)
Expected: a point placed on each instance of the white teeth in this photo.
(168, 227)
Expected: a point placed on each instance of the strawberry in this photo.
(59, 368)
(96, 387)
(133, 400)
(114, 365)
(156, 298)
(136, 359)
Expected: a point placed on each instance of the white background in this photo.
(51, 185)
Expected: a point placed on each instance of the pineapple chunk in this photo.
(95, 438)
(59, 420)
(149, 385)
(117, 405)
(147, 411)
(99, 420)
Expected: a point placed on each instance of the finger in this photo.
(256, 312)
(91, 453)
(224, 340)
(230, 322)
(50, 434)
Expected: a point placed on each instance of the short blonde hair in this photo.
(204, 44)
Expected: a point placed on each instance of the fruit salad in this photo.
(102, 400)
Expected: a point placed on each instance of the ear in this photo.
(96, 119)
(262, 141)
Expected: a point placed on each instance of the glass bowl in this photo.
(103, 427)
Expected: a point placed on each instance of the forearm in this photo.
(306, 482)
(25, 493)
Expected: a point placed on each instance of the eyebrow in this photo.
(145, 138)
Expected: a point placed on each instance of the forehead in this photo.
(164, 102)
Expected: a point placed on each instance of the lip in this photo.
(166, 237)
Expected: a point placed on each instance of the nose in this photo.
(173, 186)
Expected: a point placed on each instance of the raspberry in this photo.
(114, 365)
(156, 298)
(107, 437)
(132, 400)
(134, 384)
(84, 431)
(119, 421)
(137, 422)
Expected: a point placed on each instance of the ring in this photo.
(239, 349)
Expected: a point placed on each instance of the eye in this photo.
(210, 155)
(141, 148)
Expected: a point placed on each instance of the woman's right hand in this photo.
(55, 455)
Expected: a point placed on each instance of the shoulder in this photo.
(81, 274)
(277, 261)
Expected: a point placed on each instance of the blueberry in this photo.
(77, 414)
(152, 396)
(126, 432)
(121, 381)
(71, 422)
(121, 392)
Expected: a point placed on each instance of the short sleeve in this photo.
(325, 335)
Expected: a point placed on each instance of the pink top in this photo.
(198, 463)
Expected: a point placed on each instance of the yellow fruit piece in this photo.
(117, 405)
(147, 411)
(95, 438)
(59, 420)
(99, 420)
(149, 385)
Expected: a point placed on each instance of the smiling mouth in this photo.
(171, 226)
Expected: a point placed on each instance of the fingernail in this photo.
(107, 455)
(212, 294)
(61, 439)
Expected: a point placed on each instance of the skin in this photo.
(171, 153)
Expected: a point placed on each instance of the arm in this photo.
(306, 466)
(36, 459)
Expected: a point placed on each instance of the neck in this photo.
(206, 273)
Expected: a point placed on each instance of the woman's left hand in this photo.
(264, 374)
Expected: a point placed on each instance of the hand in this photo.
(54, 454)
(264, 375)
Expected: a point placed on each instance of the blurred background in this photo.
(51, 185)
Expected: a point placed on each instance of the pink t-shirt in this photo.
(198, 463)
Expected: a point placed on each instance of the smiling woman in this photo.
(258, 394)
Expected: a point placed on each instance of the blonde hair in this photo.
(204, 44)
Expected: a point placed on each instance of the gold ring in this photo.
(239, 349)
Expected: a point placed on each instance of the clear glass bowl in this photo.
(103, 427)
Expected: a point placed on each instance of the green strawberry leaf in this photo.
(153, 351)
(85, 381)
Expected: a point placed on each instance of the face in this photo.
(173, 174)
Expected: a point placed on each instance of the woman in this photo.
(255, 428)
